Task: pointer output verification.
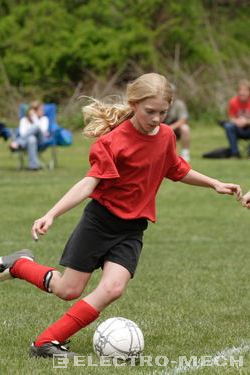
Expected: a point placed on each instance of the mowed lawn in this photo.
(190, 295)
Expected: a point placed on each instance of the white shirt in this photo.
(41, 122)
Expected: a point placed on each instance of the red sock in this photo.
(78, 316)
(31, 271)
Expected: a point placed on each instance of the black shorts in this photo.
(177, 133)
(101, 236)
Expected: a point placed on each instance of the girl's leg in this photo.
(113, 283)
(21, 265)
(67, 286)
(111, 286)
(70, 284)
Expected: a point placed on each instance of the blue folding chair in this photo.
(50, 110)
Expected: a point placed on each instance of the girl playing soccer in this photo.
(134, 152)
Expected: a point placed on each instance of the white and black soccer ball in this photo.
(118, 338)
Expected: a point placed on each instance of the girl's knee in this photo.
(67, 294)
(113, 290)
(66, 289)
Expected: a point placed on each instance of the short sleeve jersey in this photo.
(177, 111)
(237, 108)
(131, 166)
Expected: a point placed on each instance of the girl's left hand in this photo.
(230, 189)
(245, 201)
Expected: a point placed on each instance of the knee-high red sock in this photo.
(78, 316)
(31, 271)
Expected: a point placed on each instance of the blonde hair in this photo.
(100, 118)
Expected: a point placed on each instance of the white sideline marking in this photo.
(223, 355)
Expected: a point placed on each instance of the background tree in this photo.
(52, 48)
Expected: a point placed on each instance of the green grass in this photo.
(190, 295)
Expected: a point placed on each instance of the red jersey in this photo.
(237, 108)
(131, 166)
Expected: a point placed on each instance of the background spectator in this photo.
(33, 130)
(238, 125)
(177, 118)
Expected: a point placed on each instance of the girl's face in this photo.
(244, 93)
(148, 114)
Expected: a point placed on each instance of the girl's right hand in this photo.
(41, 226)
(245, 200)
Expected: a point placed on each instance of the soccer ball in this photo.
(118, 338)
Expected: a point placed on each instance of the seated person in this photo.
(238, 125)
(177, 118)
(33, 130)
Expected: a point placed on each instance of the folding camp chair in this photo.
(50, 110)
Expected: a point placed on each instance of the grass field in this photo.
(190, 295)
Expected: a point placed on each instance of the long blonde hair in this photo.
(100, 117)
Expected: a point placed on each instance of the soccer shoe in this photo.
(50, 349)
(7, 261)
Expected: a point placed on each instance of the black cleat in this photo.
(7, 261)
(51, 349)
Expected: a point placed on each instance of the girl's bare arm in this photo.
(80, 191)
